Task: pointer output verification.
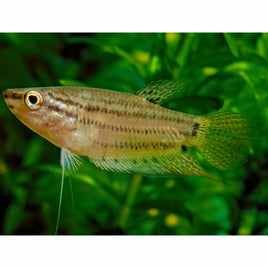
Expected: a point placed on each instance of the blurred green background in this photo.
(223, 71)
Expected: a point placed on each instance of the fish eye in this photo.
(33, 99)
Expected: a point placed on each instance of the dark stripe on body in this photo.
(104, 110)
(132, 130)
(66, 101)
(57, 109)
(126, 105)
(136, 146)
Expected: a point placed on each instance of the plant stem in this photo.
(126, 208)
(186, 48)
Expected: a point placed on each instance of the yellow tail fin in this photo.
(223, 138)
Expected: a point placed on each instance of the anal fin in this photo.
(172, 163)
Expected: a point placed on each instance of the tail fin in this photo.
(223, 139)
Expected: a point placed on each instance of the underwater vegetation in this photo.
(226, 72)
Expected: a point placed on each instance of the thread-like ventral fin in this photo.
(158, 91)
(69, 160)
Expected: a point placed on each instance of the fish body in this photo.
(131, 132)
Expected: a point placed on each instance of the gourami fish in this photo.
(131, 132)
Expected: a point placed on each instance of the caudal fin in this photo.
(223, 138)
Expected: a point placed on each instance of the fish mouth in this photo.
(5, 94)
(7, 99)
(11, 98)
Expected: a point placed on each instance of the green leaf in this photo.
(13, 218)
(69, 83)
(247, 222)
(232, 44)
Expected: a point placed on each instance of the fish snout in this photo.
(12, 95)
(12, 98)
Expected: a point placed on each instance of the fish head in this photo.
(24, 103)
(39, 109)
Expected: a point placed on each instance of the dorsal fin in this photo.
(158, 91)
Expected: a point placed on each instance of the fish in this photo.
(133, 133)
